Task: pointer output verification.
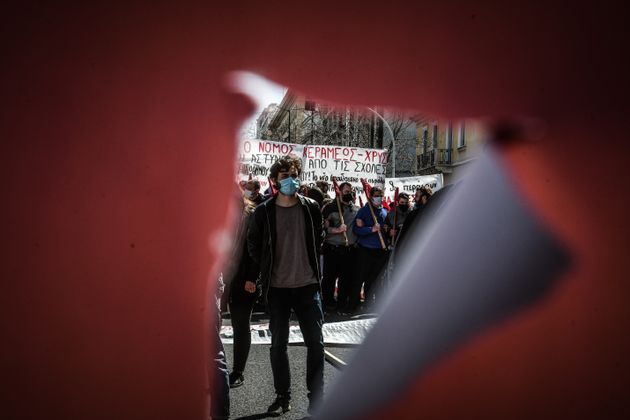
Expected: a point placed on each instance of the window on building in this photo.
(449, 136)
(435, 136)
(425, 138)
(449, 142)
(461, 136)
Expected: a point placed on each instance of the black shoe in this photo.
(236, 379)
(280, 406)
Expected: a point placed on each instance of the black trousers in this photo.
(306, 303)
(218, 371)
(241, 306)
(339, 263)
(370, 265)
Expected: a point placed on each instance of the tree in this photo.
(309, 122)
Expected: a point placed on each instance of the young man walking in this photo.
(372, 250)
(396, 218)
(339, 250)
(284, 239)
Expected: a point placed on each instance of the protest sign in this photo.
(257, 156)
(409, 184)
(319, 163)
(346, 164)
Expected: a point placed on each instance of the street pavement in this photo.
(250, 401)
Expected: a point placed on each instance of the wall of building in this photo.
(450, 146)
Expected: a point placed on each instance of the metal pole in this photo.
(391, 133)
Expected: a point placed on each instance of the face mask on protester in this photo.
(248, 194)
(347, 198)
(403, 207)
(289, 186)
(377, 201)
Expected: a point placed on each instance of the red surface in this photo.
(117, 146)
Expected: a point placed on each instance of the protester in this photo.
(284, 238)
(339, 250)
(423, 193)
(218, 371)
(315, 194)
(251, 190)
(396, 218)
(323, 186)
(372, 248)
(241, 279)
(421, 198)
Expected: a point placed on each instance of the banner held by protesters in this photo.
(411, 183)
(319, 163)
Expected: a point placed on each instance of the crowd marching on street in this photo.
(296, 249)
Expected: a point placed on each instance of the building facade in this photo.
(447, 147)
(264, 119)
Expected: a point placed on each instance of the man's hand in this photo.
(341, 229)
(376, 228)
(392, 232)
(250, 287)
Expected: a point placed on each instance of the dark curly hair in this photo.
(425, 190)
(284, 164)
(376, 189)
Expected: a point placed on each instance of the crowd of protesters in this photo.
(297, 249)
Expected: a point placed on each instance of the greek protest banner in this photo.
(257, 156)
(409, 184)
(346, 164)
(319, 163)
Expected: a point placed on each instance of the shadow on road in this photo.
(263, 416)
(256, 416)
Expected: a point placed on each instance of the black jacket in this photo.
(241, 268)
(261, 237)
(417, 216)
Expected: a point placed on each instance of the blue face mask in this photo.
(289, 186)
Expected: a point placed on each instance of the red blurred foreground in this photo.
(117, 146)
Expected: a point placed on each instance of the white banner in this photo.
(257, 156)
(319, 163)
(346, 164)
(347, 332)
(409, 184)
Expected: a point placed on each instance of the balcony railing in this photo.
(444, 156)
(426, 159)
(435, 157)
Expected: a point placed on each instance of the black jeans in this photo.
(306, 302)
(218, 373)
(241, 313)
(339, 263)
(370, 265)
